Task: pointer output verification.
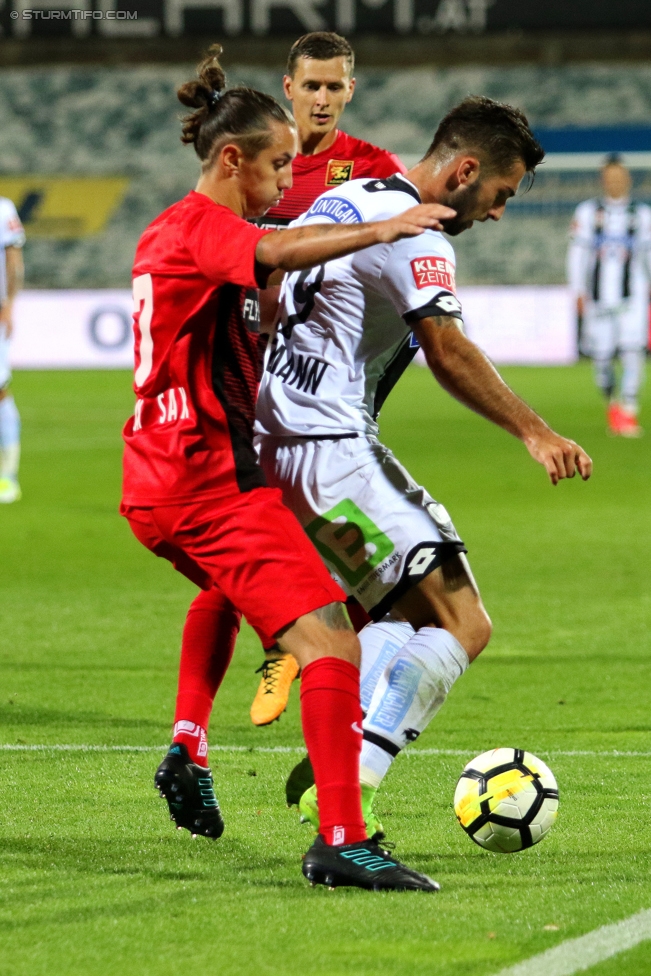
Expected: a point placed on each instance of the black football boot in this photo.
(189, 791)
(363, 865)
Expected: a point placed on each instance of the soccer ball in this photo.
(506, 800)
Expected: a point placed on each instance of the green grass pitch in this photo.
(94, 880)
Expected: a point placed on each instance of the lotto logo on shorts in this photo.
(433, 271)
(421, 561)
(349, 541)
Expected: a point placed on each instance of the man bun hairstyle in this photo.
(498, 134)
(241, 115)
(320, 46)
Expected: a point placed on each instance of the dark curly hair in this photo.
(498, 134)
(220, 114)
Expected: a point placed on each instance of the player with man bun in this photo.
(347, 331)
(319, 82)
(193, 490)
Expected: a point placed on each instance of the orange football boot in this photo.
(273, 692)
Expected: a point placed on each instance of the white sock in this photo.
(632, 377)
(9, 438)
(409, 693)
(380, 643)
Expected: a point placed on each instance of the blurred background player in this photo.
(608, 267)
(319, 83)
(12, 238)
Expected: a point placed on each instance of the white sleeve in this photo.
(11, 229)
(579, 252)
(418, 277)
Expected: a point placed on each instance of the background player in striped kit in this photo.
(12, 238)
(609, 267)
(319, 82)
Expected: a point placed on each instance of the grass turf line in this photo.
(95, 879)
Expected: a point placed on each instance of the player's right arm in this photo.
(468, 375)
(303, 247)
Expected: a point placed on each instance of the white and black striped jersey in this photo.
(609, 258)
(340, 346)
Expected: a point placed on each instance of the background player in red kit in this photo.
(193, 490)
(319, 83)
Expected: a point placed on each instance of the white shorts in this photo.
(611, 330)
(377, 531)
(5, 371)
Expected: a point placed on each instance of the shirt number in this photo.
(143, 309)
(304, 295)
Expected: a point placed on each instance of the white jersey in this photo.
(609, 259)
(345, 333)
(11, 235)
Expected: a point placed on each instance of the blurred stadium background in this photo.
(90, 148)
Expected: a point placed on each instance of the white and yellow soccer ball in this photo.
(506, 800)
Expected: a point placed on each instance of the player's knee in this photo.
(479, 633)
(325, 632)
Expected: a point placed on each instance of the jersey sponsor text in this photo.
(336, 209)
(433, 271)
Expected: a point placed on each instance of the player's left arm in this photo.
(468, 375)
(15, 277)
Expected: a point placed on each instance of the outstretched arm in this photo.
(468, 375)
(303, 247)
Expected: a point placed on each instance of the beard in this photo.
(464, 201)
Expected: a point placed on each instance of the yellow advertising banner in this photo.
(64, 206)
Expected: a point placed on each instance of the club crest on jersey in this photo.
(339, 171)
(336, 209)
(433, 271)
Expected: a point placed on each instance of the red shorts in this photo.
(250, 545)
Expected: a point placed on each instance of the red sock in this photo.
(330, 709)
(209, 635)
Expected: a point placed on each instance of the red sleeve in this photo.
(223, 246)
(386, 164)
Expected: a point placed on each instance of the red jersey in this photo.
(346, 159)
(198, 357)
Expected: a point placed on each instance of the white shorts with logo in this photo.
(5, 371)
(611, 330)
(377, 531)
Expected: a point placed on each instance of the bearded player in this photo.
(319, 82)
(339, 351)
